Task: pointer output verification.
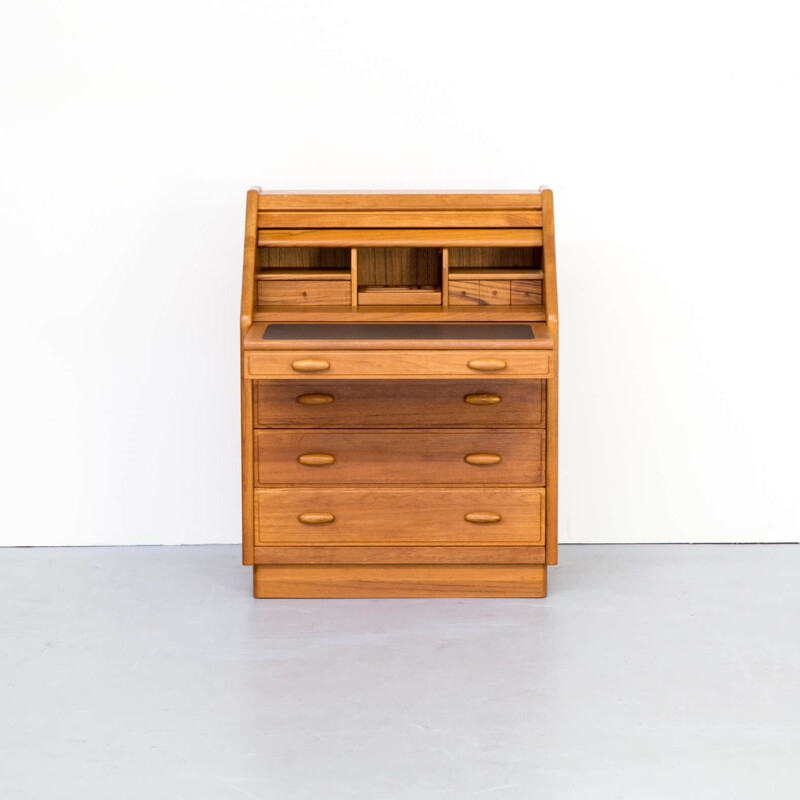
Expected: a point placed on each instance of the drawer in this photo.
(526, 293)
(495, 293)
(465, 293)
(293, 292)
(335, 364)
(399, 516)
(325, 457)
(409, 403)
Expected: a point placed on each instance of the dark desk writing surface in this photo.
(427, 331)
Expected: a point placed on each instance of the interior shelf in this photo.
(305, 275)
(299, 313)
(497, 274)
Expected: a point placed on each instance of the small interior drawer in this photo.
(526, 293)
(304, 292)
(495, 293)
(465, 293)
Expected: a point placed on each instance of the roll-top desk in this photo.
(399, 357)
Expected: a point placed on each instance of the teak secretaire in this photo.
(399, 358)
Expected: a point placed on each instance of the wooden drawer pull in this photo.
(310, 365)
(482, 517)
(483, 459)
(487, 364)
(315, 399)
(319, 518)
(316, 459)
(482, 399)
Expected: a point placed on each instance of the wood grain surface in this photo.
(400, 580)
(401, 515)
(404, 403)
(404, 457)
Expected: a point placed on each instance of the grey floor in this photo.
(650, 672)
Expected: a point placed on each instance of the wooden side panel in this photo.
(551, 305)
(408, 237)
(419, 554)
(248, 307)
(248, 473)
(398, 201)
(408, 403)
(400, 580)
(391, 515)
(400, 219)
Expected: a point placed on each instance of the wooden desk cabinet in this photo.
(399, 358)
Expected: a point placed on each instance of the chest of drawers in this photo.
(399, 374)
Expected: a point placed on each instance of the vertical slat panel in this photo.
(445, 277)
(353, 276)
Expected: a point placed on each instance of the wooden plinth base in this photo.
(400, 580)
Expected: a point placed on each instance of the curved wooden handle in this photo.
(315, 399)
(487, 364)
(482, 399)
(482, 517)
(483, 459)
(316, 459)
(310, 365)
(316, 518)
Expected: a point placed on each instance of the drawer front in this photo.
(400, 516)
(480, 292)
(495, 293)
(336, 364)
(526, 293)
(320, 457)
(315, 293)
(414, 404)
(465, 293)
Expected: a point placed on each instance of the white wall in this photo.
(131, 131)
